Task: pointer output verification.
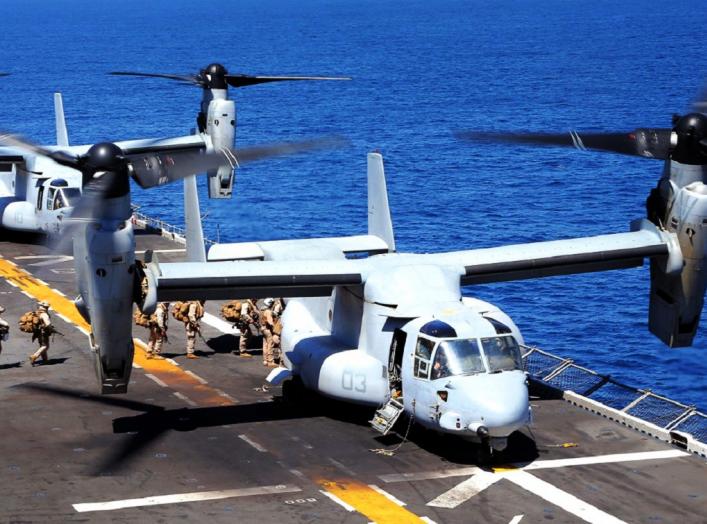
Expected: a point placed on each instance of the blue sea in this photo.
(421, 70)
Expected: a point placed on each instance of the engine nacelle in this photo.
(221, 127)
(677, 297)
(110, 276)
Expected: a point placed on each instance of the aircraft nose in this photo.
(498, 401)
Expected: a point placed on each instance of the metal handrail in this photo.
(686, 411)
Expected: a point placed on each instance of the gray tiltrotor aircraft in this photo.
(86, 190)
(394, 330)
(218, 114)
(37, 193)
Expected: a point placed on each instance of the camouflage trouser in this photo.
(154, 344)
(43, 341)
(277, 349)
(191, 337)
(244, 337)
(268, 356)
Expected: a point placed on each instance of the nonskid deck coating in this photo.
(165, 451)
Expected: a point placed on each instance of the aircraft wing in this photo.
(563, 257)
(11, 154)
(226, 280)
(166, 145)
(302, 277)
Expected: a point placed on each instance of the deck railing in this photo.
(167, 230)
(642, 409)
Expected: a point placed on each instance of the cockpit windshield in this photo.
(502, 353)
(70, 196)
(457, 357)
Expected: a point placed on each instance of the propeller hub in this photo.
(105, 156)
(690, 129)
(215, 76)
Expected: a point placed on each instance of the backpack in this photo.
(277, 328)
(231, 311)
(30, 322)
(199, 310)
(180, 310)
(141, 319)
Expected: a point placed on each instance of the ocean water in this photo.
(421, 70)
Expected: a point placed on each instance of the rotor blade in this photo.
(644, 142)
(155, 169)
(251, 154)
(60, 157)
(190, 79)
(248, 80)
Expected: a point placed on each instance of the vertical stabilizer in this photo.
(196, 251)
(379, 221)
(62, 136)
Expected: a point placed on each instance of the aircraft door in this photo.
(395, 360)
(40, 197)
(420, 394)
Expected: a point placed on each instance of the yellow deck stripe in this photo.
(375, 506)
(167, 372)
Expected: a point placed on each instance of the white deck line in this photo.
(560, 498)
(337, 500)
(387, 495)
(516, 519)
(182, 396)
(465, 490)
(196, 377)
(221, 325)
(155, 380)
(429, 475)
(257, 446)
(605, 459)
(539, 464)
(184, 497)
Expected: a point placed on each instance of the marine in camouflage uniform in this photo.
(45, 330)
(158, 331)
(248, 318)
(277, 309)
(267, 324)
(192, 327)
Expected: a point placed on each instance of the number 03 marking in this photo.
(353, 381)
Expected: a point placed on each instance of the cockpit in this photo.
(59, 195)
(440, 358)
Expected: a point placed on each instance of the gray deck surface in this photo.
(58, 450)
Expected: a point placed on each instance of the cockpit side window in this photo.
(50, 198)
(502, 353)
(423, 355)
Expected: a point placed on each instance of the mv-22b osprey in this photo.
(37, 192)
(368, 330)
(98, 220)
